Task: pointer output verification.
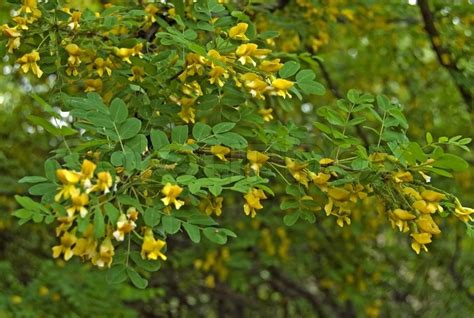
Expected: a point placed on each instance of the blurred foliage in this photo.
(271, 268)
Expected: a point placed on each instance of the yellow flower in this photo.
(151, 248)
(252, 203)
(326, 161)
(194, 66)
(78, 201)
(320, 179)
(151, 11)
(256, 85)
(298, 171)
(266, 114)
(281, 86)
(463, 213)
(217, 74)
(67, 241)
(93, 85)
(432, 196)
(245, 52)
(238, 32)
(419, 241)
(257, 159)
(339, 194)
(74, 51)
(30, 7)
(65, 222)
(400, 218)
(105, 255)
(192, 89)
(378, 157)
(402, 176)
(68, 179)
(125, 224)
(428, 201)
(215, 56)
(102, 66)
(13, 36)
(126, 53)
(220, 151)
(425, 223)
(188, 112)
(86, 246)
(74, 20)
(137, 74)
(171, 192)
(210, 206)
(104, 182)
(87, 172)
(343, 217)
(28, 61)
(21, 23)
(271, 66)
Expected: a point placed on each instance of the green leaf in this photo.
(158, 139)
(148, 265)
(116, 274)
(449, 161)
(232, 140)
(215, 235)
(201, 131)
(23, 214)
(291, 218)
(29, 204)
(193, 232)
(223, 127)
(112, 213)
(383, 102)
(118, 111)
(289, 69)
(207, 102)
(353, 96)
(42, 188)
(137, 280)
(305, 76)
(99, 224)
(312, 87)
(215, 189)
(32, 179)
(152, 217)
(171, 224)
(179, 134)
(130, 128)
(359, 164)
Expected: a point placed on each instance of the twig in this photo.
(441, 51)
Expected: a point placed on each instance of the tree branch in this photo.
(442, 52)
(335, 91)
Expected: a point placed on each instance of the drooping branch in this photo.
(442, 52)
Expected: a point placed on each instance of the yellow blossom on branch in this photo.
(151, 248)
(266, 114)
(252, 201)
(29, 62)
(105, 255)
(238, 32)
(171, 192)
(67, 241)
(420, 240)
(220, 151)
(280, 87)
(257, 159)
